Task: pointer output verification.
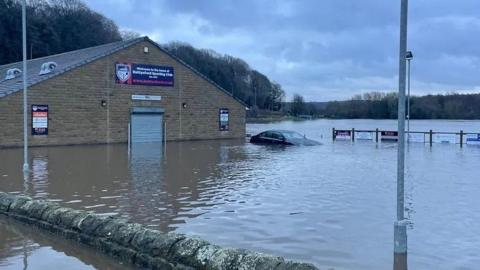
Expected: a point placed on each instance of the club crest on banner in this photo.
(123, 72)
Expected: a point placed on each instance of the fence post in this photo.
(431, 138)
(353, 134)
(461, 138)
(333, 134)
(376, 135)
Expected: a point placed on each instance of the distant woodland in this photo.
(56, 26)
(377, 105)
(233, 74)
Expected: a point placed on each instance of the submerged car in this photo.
(282, 137)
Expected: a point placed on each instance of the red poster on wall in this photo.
(39, 119)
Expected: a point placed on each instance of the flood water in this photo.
(333, 205)
(24, 247)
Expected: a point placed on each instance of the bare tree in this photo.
(128, 34)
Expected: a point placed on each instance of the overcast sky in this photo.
(322, 49)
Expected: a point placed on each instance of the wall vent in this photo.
(47, 67)
(12, 73)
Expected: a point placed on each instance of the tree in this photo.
(232, 74)
(57, 26)
(298, 105)
(54, 26)
(128, 35)
(377, 105)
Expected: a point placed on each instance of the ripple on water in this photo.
(332, 205)
(94, 206)
(73, 201)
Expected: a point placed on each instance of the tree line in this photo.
(378, 105)
(53, 26)
(57, 26)
(232, 74)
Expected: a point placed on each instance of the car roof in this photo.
(280, 130)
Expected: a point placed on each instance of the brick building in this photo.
(107, 93)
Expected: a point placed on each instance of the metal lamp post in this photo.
(400, 226)
(409, 57)
(25, 104)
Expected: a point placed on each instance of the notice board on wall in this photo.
(39, 119)
(142, 74)
(224, 119)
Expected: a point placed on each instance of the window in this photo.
(224, 119)
(277, 136)
(267, 134)
(293, 135)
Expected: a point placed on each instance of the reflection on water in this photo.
(39, 177)
(24, 247)
(147, 179)
(333, 205)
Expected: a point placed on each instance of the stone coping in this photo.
(135, 244)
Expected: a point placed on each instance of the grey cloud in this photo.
(327, 49)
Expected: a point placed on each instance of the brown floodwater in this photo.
(155, 186)
(26, 247)
(332, 205)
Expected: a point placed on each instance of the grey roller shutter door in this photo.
(147, 128)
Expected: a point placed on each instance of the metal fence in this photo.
(429, 137)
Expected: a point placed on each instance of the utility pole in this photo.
(25, 104)
(400, 226)
(409, 57)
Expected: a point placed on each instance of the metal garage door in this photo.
(147, 128)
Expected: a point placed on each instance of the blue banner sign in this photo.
(141, 74)
(473, 139)
(39, 119)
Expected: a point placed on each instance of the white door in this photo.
(147, 128)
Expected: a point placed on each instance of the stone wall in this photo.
(77, 117)
(135, 244)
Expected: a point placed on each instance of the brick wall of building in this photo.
(77, 117)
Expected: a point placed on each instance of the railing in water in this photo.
(430, 136)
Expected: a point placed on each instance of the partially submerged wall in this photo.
(134, 243)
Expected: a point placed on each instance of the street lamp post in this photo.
(25, 104)
(409, 57)
(400, 226)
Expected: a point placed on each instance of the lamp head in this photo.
(409, 55)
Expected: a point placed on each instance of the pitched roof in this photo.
(65, 61)
(70, 60)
